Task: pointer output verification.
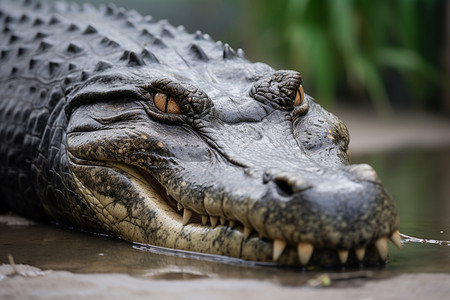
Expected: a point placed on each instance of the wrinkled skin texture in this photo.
(85, 143)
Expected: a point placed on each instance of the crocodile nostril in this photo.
(286, 183)
(284, 187)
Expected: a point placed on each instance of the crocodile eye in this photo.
(166, 104)
(299, 96)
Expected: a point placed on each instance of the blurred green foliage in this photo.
(351, 46)
(387, 51)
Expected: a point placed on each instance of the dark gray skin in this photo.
(254, 168)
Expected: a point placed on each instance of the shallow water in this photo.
(418, 180)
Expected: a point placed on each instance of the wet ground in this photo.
(416, 173)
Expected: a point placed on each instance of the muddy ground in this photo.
(35, 284)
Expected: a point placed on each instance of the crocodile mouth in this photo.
(139, 209)
(306, 253)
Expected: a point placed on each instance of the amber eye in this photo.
(299, 96)
(166, 104)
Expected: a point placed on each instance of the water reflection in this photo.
(418, 180)
(49, 247)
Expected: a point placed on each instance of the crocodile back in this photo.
(46, 52)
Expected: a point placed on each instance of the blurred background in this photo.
(389, 56)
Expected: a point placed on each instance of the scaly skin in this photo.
(115, 123)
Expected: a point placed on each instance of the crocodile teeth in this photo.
(179, 206)
(382, 247)
(247, 231)
(343, 256)
(204, 220)
(304, 251)
(222, 221)
(360, 253)
(278, 247)
(187, 214)
(396, 239)
(213, 221)
(231, 224)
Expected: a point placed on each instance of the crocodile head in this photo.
(206, 152)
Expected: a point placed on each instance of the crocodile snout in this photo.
(344, 210)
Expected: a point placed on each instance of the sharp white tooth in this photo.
(231, 224)
(343, 256)
(382, 247)
(222, 221)
(247, 231)
(186, 216)
(213, 221)
(278, 247)
(360, 253)
(179, 206)
(396, 239)
(304, 251)
(204, 220)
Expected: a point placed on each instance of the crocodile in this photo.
(115, 123)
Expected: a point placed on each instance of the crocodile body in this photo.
(120, 124)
